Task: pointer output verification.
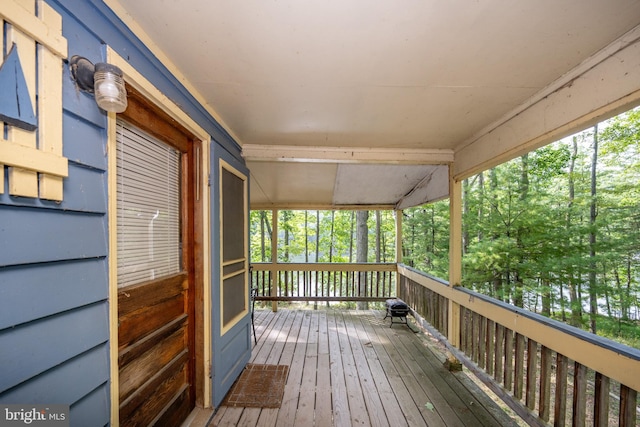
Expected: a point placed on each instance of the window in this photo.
(148, 207)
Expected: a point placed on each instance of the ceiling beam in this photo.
(605, 84)
(290, 153)
(319, 207)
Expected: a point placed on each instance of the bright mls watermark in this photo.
(34, 415)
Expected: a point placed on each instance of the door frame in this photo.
(202, 240)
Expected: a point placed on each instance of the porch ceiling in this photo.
(314, 89)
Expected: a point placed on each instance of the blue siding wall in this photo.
(54, 329)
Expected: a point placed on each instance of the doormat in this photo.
(259, 386)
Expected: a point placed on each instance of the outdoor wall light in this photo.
(103, 80)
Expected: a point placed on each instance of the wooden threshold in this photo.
(199, 417)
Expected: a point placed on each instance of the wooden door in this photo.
(156, 271)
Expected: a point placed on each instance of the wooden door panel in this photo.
(138, 296)
(142, 407)
(153, 349)
(136, 351)
(177, 411)
(148, 320)
(141, 369)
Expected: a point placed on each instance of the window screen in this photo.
(234, 235)
(148, 207)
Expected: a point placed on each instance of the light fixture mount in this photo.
(82, 71)
(104, 80)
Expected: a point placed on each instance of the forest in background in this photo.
(555, 231)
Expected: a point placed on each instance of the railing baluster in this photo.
(491, 332)
(601, 400)
(352, 283)
(476, 338)
(579, 395)
(544, 405)
(508, 359)
(482, 342)
(532, 373)
(434, 312)
(464, 331)
(560, 410)
(519, 367)
(499, 354)
(628, 398)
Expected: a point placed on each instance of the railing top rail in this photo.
(617, 361)
(630, 352)
(324, 266)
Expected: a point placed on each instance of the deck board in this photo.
(349, 368)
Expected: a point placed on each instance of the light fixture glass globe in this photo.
(109, 89)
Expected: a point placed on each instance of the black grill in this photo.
(396, 308)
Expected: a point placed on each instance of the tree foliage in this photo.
(321, 236)
(537, 235)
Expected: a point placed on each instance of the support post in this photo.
(274, 258)
(398, 246)
(455, 255)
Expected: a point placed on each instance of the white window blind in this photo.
(148, 207)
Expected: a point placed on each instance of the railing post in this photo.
(274, 258)
(398, 247)
(455, 256)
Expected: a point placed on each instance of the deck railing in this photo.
(324, 281)
(548, 372)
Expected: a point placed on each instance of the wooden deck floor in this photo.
(349, 368)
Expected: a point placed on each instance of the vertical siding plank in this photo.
(560, 410)
(50, 103)
(24, 182)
